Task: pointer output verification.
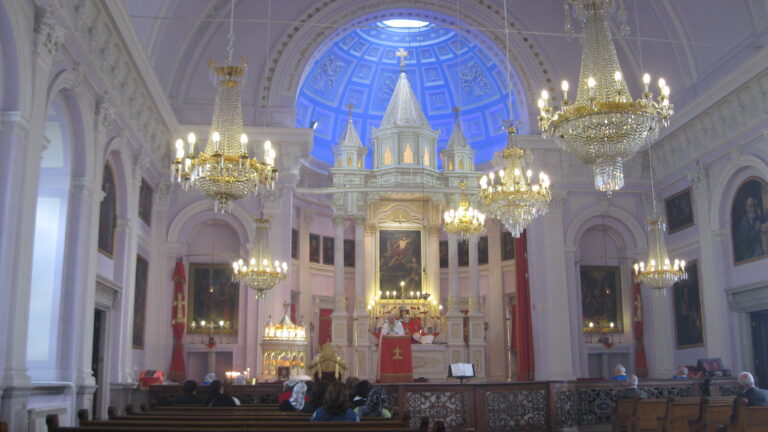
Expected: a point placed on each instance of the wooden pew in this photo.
(3, 427)
(748, 418)
(714, 411)
(624, 409)
(646, 416)
(679, 413)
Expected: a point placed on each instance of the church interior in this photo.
(482, 206)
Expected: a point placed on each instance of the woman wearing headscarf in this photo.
(298, 398)
(374, 404)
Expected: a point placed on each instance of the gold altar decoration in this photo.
(604, 126)
(327, 361)
(418, 305)
(283, 345)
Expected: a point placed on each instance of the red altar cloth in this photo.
(395, 359)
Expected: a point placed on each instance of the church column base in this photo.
(476, 337)
(14, 407)
(455, 348)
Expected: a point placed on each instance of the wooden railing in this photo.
(535, 405)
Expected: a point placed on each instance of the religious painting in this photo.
(314, 248)
(482, 250)
(145, 202)
(443, 253)
(463, 253)
(507, 246)
(294, 244)
(140, 301)
(749, 224)
(689, 321)
(679, 211)
(108, 212)
(601, 296)
(349, 253)
(328, 250)
(400, 260)
(213, 297)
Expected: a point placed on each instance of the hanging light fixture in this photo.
(260, 273)
(464, 221)
(224, 171)
(510, 195)
(604, 126)
(658, 271)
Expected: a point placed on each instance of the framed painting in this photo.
(443, 253)
(349, 253)
(400, 260)
(679, 208)
(507, 246)
(145, 202)
(482, 250)
(689, 321)
(314, 248)
(328, 250)
(212, 296)
(749, 225)
(140, 301)
(601, 296)
(108, 212)
(463, 253)
(294, 244)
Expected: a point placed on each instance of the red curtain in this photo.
(523, 325)
(641, 364)
(324, 332)
(178, 323)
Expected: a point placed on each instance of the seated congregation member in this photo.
(352, 386)
(374, 405)
(336, 406)
(631, 391)
(682, 373)
(619, 373)
(361, 393)
(188, 397)
(755, 396)
(287, 391)
(228, 392)
(217, 397)
(297, 400)
(316, 396)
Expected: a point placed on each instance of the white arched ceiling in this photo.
(691, 43)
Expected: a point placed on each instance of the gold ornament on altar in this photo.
(224, 171)
(327, 361)
(283, 345)
(604, 126)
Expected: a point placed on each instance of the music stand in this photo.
(461, 377)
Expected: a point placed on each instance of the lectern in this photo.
(395, 359)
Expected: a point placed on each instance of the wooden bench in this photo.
(714, 411)
(647, 415)
(679, 413)
(748, 418)
(3, 427)
(624, 409)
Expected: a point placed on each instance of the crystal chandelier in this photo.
(510, 195)
(604, 126)
(260, 273)
(224, 171)
(464, 221)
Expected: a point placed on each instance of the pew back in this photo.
(624, 409)
(647, 415)
(749, 418)
(715, 411)
(679, 412)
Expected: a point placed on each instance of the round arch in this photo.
(15, 56)
(181, 227)
(62, 88)
(618, 219)
(739, 169)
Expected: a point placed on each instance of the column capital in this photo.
(12, 122)
(163, 193)
(360, 221)
(338, 220)
(370, 228)
(124, 224)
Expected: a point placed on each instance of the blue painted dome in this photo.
(446, 71)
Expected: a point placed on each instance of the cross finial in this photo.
(349, 109)
(510, 126)
(456, 113)
(402, 54)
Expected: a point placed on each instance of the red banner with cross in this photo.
(178, 324)
(395, 359)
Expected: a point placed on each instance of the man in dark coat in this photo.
(747, 390)
(188, 397)
(632, 391)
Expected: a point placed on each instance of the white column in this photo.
(453, 273)
(125, 252)
(305, 298)
(339, 333)
(476, 317)
(662, 363)
(474, 277)
(360, 299)
(553, 350)
(495, 307)
(433, 262)
(362, 357)
(711, 272)
(158, 335)
(456, 352)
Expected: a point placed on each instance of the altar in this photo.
(429, 361)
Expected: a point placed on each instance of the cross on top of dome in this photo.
(402, 54)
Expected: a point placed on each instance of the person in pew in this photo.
(619, 373)
(336, 406)
(362, 390)
(228, 392)
(682, 373)
(632, 390)
(375, 405)
(217, 397)
(297, 400)
(755, 396)
(287, 391)
(351, 383)
(188, 398)
(316, 396)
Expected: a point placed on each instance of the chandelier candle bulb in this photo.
(191, 139)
